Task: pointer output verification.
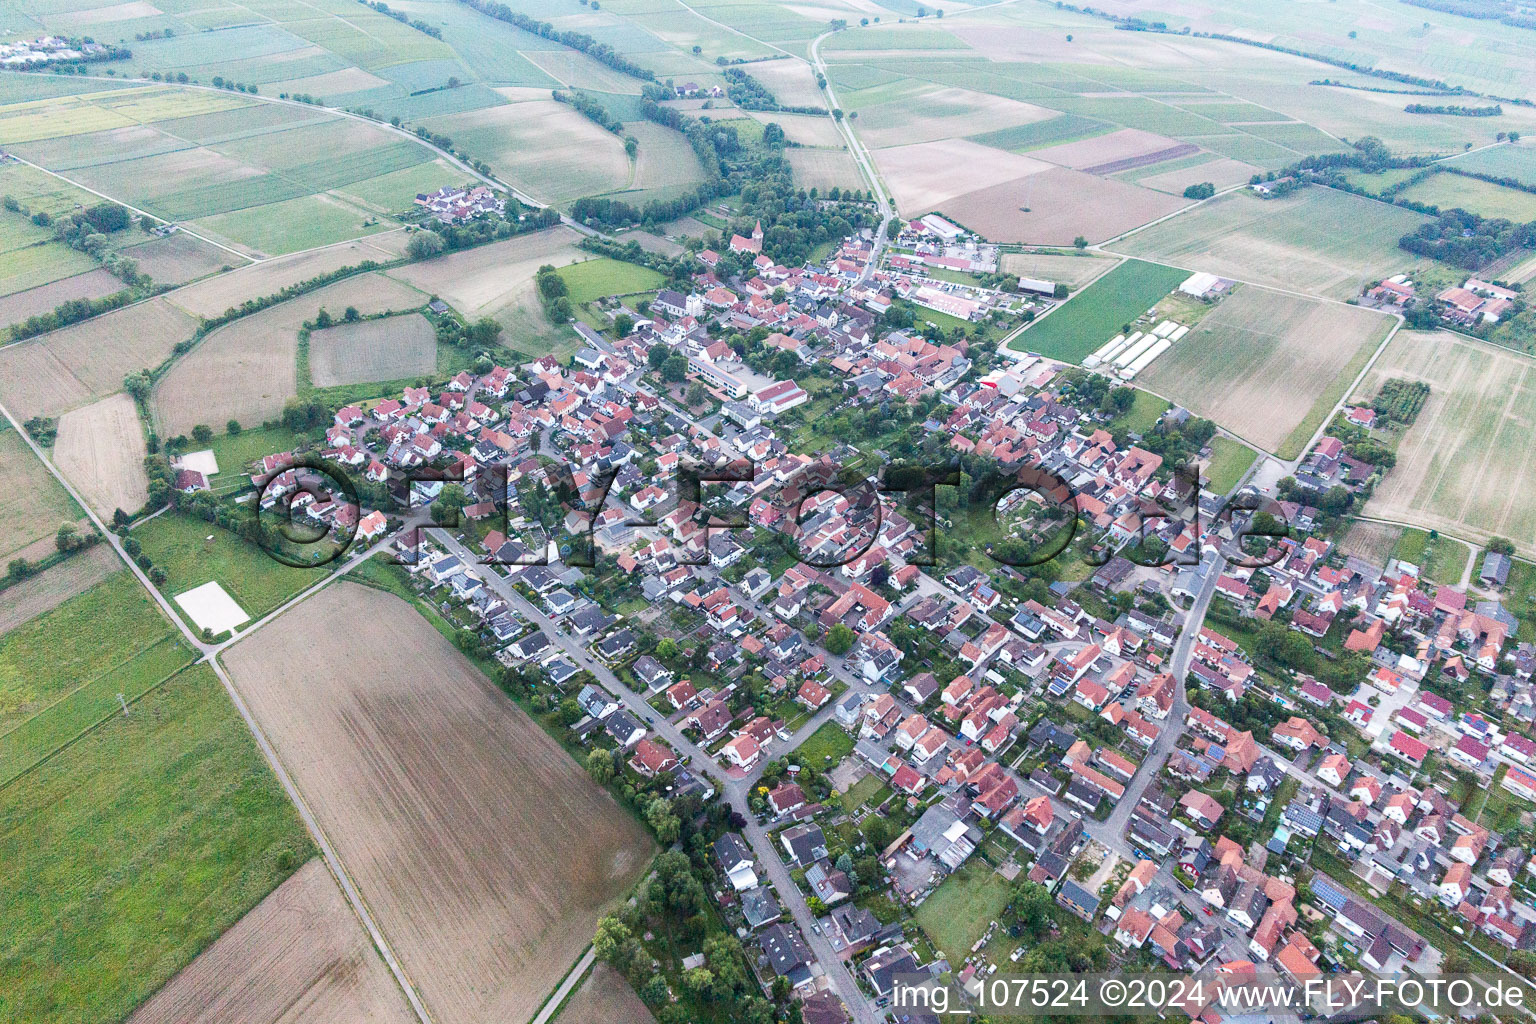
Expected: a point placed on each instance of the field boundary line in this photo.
(556, 1000)
(91, 727)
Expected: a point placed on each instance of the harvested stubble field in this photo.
(792, 82)
(1126, 144)
(32, 597)
(69, 367)
(1269, 366)
(247, 369)
(300, 956)
(1317, 240)
(372, 350)
(605, 998)
(485, 852)
(1063, 268)
(179, 257)
(32, 504)
(93, 284)
(213, 297)
(1373, 542)
(1465, 467)
(100, 449)
(1056, 206)
(926, 174)
(824, 168)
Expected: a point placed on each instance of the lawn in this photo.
(1097, 313)
(959, 911)
(869, 789)
(133, 850)
(181, 545)
(1440, 558)
(602, 277)
(1229, 461)
(825, 747)
(1520, 597)
(1143, 415)
(235, 452)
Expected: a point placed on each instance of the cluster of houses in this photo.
(450, 205)
(1468, 304)
(32, 53)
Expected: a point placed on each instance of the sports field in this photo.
(1465, 466)
(1317, 240)
(302, 946)
(1097, 313)
(32, 504)
(438, 793)
(1267, 365)
(390, 348)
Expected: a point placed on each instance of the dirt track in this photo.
(484, 851)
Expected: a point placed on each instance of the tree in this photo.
(351, 315)
(138, 384)
(67, 538)
(232, 428)
(656, 355)
(631, 146)
(658, 815)
(623, 324)
(1204, 190)
(614, 944)
(202, 433)
(19, 569)
(675, 368)
(323, 318)
(600, 764)
(424, 245)
(157, 576)
(839, 640)
(484, 333)
(450, 502)
(1080, 242)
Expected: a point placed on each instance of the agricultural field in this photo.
(1269, 366)
(825, 168)
(604, 998)
(35, 595)
(547, 149)
(1457, 191)
(176, 808)
(100, 450)
(391, 348)
(302, 946)
(665, 166)
(247, 370)
(214, 296)
(178, 258)
(1070, 268)
(1091, 317)
(1511, 160)
(1374, 542)
(437, 792)
(90, 284)
(32, 504)
(496, 280)
(1464, 467)
(194, 552)
(1317, 240)
(54, 372)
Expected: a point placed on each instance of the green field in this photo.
(1441, 559)
(602, 277)
(1317, 240)
(306, 222)
(1143, 415)
(825, 747)
(1457, 191)
(178, 544)
(1097, 313)
(1507, 161)
(133, 850)
(959, 911)
(1229, 461)
(89, 635)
